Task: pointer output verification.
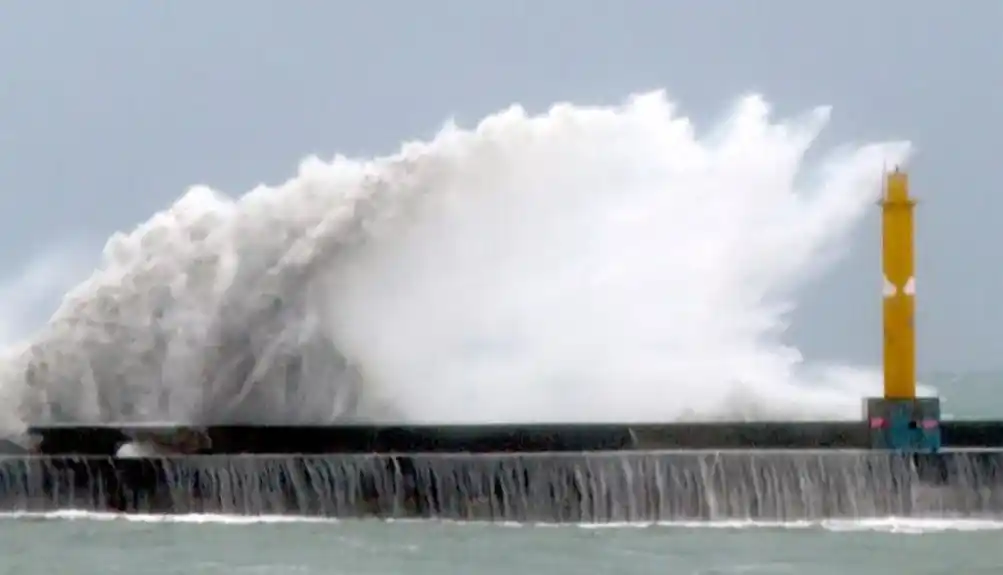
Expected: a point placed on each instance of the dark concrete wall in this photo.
(504, 438)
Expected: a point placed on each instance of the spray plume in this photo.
(586, 264)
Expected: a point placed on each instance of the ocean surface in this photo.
(80, 543)
(216, 545)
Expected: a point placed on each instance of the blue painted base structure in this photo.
(906, 425)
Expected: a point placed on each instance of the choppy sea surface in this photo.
(219, 545)
(79, 543)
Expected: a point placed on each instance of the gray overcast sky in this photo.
(110, 109)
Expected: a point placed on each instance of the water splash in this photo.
(604, 263)
(591, 488)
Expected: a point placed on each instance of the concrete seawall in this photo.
(547, 473)
(543, 487)
(103, 440)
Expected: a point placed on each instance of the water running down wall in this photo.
(599, 487)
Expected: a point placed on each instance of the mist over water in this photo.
(585, 264)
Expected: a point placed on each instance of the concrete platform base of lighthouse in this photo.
(911, 425)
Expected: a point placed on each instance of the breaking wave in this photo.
(587, 263)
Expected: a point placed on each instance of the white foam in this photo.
(589, 263)
(138, 449)
(78, 515)
(900, 525)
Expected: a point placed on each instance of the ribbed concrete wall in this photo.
(592, 487)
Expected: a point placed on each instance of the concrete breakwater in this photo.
(543, 487)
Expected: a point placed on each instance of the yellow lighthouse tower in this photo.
(900, 420)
